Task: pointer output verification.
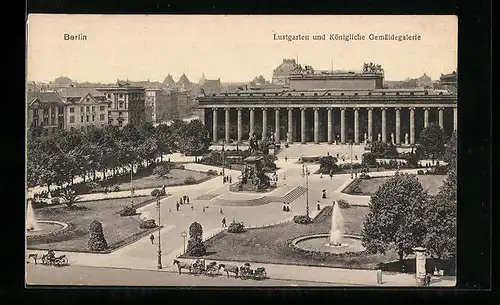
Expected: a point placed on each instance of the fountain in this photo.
(31, 223)
(337, 229)
(335, 242)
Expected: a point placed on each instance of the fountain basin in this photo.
(48, 231)
(321, 243)
(47, 227)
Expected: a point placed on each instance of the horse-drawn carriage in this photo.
(50, 259)
(257, 274)
(213, 269)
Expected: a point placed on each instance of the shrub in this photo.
(92, 185)
(97, 242)
(190, 180)
(343, 204)
(309, 159)
(56, 200)
(302, 219)
(182, 166)
(196, 247)
(236, 227)
(147, 224)
(195, 230)
(368, 159)
(128, 211)
(420, 172)
(158, 192)
(364, 176)
(115, 188)
(212, 172)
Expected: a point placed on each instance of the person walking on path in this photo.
(224, 222)
(221, 211)
(286, 159)
(192, 207)
(180, 201)
(203, 209)
(187, 199)
(152, 238)
(230, 179)
(177, 206)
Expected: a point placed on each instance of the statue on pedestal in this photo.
(366, 138)
(406, 138)
(379, 137)
(392, 139)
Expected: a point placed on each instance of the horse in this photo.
(35, 257)
(182, 265)
(230, 268)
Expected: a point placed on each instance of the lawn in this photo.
(370, 186)
(270, 245)
(118, 230)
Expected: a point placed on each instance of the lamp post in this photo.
(131, 186)
(184, 235)
(159, 230)
(307, 191)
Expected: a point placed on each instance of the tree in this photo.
(164, 140)
(450, 153)
(161, 171)
(69, 196)
(97, 241)
(327, 164)
(378, 148)
(368, 159)
(441, 219)
(396, 216)
(195, 230)
(195, 243)
(431, 141)
(196, 139)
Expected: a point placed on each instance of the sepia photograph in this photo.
(241, 150)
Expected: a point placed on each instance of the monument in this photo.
(379, 137)
(366, 138)
(406, 138)
(253, 176)
(392, 139)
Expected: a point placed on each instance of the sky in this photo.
(232, 48)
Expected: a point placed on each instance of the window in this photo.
(101, 108)
(72, 109)
(52, 122)
(82, 109)
(87, 117)
(342, 94)
(61, 110)
(81, 118)
(45, 132)
(101, 117)
(121, 105)
(109, 95)
(93, 118)
(72, 119)
(35, 122)
(355, 93)
(121, 95)
(88, 109)
(93, 108)
(35, 112)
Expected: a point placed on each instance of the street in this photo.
(98, 276)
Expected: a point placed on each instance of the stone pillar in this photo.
(356, 126)
(342, 125)
(455, 119)
(426, 117)
(384, 127)
(226, 125)
(370, 124)
(330, 126)
(290, 126)
(420, 258)
(240, 122)
(316, 125)
(277, 124)
(412, 125)
(303, 125)
(214, 126)
(264, 122)
(440, 112)
(252, 121)
(398, 126)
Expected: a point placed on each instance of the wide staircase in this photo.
(283, 194)
(311, 150)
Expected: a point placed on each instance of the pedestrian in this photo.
(152, 238)
(224, 222)
(221, 211)
(230, 179)
(356, 157)
(184, 198)
(331, 175)
(286, 159)
(356, 174)
(177, 206)
(203, 209)
(288, 208)
(321, 176)
(180, 201)
(337, 155)
(192, 207)
(427, 280)
(170, 210)
(187, 199)
(318, 206)
(284, 207)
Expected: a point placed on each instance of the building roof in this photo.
(183, 80)
(78, 91)
(44, 97)
(169, 81)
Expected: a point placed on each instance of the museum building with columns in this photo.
(321, 106)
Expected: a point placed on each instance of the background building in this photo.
(281, 73)
(126, 104)
(45, 112)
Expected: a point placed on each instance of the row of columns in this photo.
(330, 124)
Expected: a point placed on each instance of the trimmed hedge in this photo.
(236, 227)
(148, 224)
(190, 180)
(128, 211)
(302, 219)
(343, 204)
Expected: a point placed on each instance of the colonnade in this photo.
(370, 136)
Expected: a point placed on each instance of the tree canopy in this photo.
(431, 142)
